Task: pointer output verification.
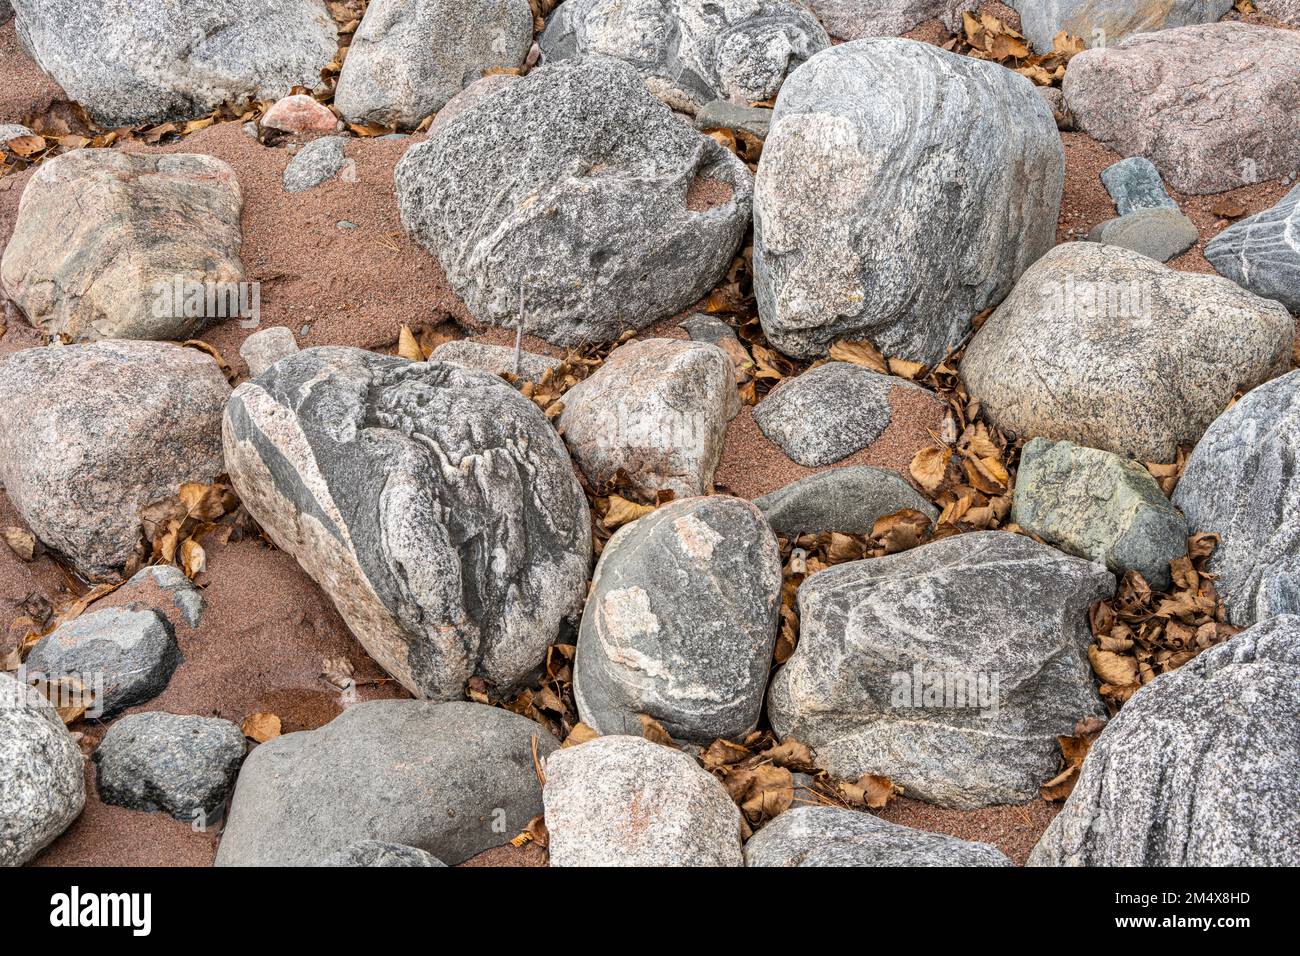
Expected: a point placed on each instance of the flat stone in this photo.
(263, 349)
(849, 500)
(316, 163)
(495, 359)
(378, 853)
(1262, 253)
(1134, 184)
(1100, 23)
(1160, 234)
(722, 114)
(300, 114)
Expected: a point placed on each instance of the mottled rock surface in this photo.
(478, 91)
(902, 190)
(494, 359)
(434, 504)
(263, 349)
(849, 500)
(1287, 11)
(300, 113)
(1134, 184)
(317, 162)
(856, 19)
(1105, 22)
(1262, 253)
(1159, 234)
(378, 853)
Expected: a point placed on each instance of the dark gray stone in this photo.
(849, 500)
(721, 114)
(1134, 184)
(1262, 253)
(1159, 234)
(316, 163)
(378, 853)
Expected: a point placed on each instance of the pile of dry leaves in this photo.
(987, 37)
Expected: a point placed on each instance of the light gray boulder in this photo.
(378, 853)
(1108, 348)
(450, 779)
(1262, 253)
(902, 190)
(831, 836)
(155, 60)
(90, 434)
(1102, 22)
(1199, 768)
(624, 801)
(159, 762)
(951, 668)
(316, 163)
(857, 19)
(1241, 484)
(434, 504)
(494, 359)
(263, 349)
(577, 186)
(409, 57)
(1134, 184)
(849, 500)
(681, 622)
(42, 787)
(1160, 234)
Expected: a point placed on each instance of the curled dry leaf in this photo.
(580, 734)
(929, 467)
(261, 727)
(408, 348)
(872, 790)
(1073, 750)
(654, 732)
(621, 511)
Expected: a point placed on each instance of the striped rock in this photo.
(1262, 253)
(858, 19)
(1100, 23)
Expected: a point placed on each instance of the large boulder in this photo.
(1108, 348)
(450, 779)
(149, 231)
(849, 500)
(155, 60)
(856, 19)
(692, 52)
(409, 57)
(1241, 483)
(1100, 23)
(577, 187)
(950, 668)
(902, 190)
(1262, 253)
(1213, 106)
(90, 434)
(434, 504)
(681, 622)
(1199, 768)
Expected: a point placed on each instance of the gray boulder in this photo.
(681, 622)
(1241, 484)
(494, 359)
(857, 19)
(849, 500)
(1108, 348)
(624, 801)
(1199, 768)
(159, 762)
(1159, 234)
(90, 434)
(900, 244)
(1107, 22)
(1134, 184)
(450, 779)
(42, 788)
(317, 162)
(156, 60)
(434, 504)
(10, 131)
(409, 57)
(831, 836)
(1262, 253)
(378, 853)
(950, 668)
(263, 349)
(578, 186)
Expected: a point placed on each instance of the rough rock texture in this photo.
(494, 359)
(478, 91)
(856, 19)
(721, 114)
(409, 57)
(578, 185)
(1105, 22)
(300, 113)
(902, 190)
(10, 131)
(42, 789)
(1159, 234)
(317, 162)
(1200, 767)
(1287, 11)
(184, 766)
(1096, 505)
(848, 500)
(681, 622)
(378, 853)
(1241, 484)
(658, 410)
(90, 434)
(1134, 184)
(831, 836)
(692, 51)
(828, 412)
(125, 656)
(155, 60)
(1110, 349)
(142, 224)
(950, 668)
(451, 779)
(624, 801)
(1262, 253)
(707, 328)
(435, 505)
(263, 349)
(1212, 106)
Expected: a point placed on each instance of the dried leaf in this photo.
(859, 353)
(621, 512)
(21, 542)
(929, 467)
(261, 727)
(407, 347)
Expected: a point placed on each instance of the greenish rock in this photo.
(1159, 234)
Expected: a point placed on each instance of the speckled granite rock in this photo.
(849, 500)
(378, 853)
(263, 349)
(478, 91)
(1105, 22)
(10, 131)
(856, 19)
(1287, 11)
(1262, 253)
(494, 359)
(1159, 234)
(300, 113)
(950, 668)
(1199, 768)
(902, 190)
(434, 504)
(1134, 184)
(624, 801)
(316, 163)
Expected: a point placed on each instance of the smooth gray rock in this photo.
(125, 656)
(1096, 505)
(1159, 234)
(450, 779)
(10, 131)
(378, 853)
(849, 500)
(681, 622)
(1199, 768)
(150, 61)
(494, 359)
(90, 434)
(951, 668)
(1102, 22)
(575, 184)
(691, 52)
(409, 57)
(1241, 484)
(317, 162)
(902, 190)
(624, 801)
(159, 762)
(831, 836)
(1110, 349)
(1262, 253)
(1134, 184)
(721, 114)
(857, 19)
(263, 349)
(434, 504)
(177, 590)
(42, 788)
